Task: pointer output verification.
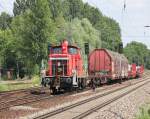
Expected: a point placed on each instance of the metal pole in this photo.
(0, 73)
(17, 70)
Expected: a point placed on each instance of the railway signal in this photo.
(49, 47)
(86, 46)
(120, 48)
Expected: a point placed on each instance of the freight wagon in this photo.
(132, 71)
(139, 71)
(105, 65)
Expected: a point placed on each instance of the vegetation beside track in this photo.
(144, 112)
(35, 81)
(24, 37)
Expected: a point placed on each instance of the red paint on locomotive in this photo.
(69, 56)
(65, 66)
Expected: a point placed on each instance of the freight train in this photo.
(66, 71)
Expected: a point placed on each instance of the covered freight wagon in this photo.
(132, 71)
(105, 64)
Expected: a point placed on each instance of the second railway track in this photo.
(86, 111)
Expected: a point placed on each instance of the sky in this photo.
(132, 19)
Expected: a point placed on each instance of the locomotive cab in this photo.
(64, 67)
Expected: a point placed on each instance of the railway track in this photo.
(28, 98)
(61, 111)
(7, 95)
(10, 93)
(88, 112)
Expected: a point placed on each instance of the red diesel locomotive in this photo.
(65, 68)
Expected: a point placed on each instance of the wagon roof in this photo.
(114, 55)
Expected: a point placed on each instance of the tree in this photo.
(137, 53)
(5, 20)
(7, 49)
(110, 33)
(55, 8)
(93, 14)
(72, 9)
(19, 7)
(78, 32)
(33, 29)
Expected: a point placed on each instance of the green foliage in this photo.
(3, 87)
(93, 14)
(144, 113)
(78, 32)
(137, 53)
(36, 80)
(108, 28)
(7, 48)
(20, 6)
(55, 8)
(110, 33)
(20, 85)
(5, 20)
(36, 23)
(70, 9)
(33, 31)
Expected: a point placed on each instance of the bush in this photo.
(36, 80)
(3, 87)
(144, 113)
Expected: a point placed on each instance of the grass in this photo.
(35, 81)
(144, 112)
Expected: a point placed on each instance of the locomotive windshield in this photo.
(72, 50)
(57, 50)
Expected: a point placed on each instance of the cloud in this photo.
(6, 6)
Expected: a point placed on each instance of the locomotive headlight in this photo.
(63, 47)
(73, 71)
(47, 80)
(68, 80)
(58, 63)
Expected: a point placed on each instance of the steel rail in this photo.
(55, 112)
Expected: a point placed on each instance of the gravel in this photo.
(126, 107)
